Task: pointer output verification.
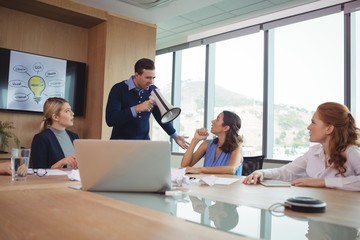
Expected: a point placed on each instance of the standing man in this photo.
(128, 108)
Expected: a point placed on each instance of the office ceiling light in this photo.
(146, 4)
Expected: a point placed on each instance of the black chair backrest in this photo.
(252, 163)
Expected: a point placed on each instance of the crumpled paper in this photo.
(74, 175)
(178, 177)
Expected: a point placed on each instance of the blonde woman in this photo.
(53, 146)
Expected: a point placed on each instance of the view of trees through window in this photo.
(239, 85)
(306, 68)
(307, 72)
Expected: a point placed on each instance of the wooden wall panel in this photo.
(65, 11)
(110, 48)
(95, 85)
(25, 32)
(126, 42)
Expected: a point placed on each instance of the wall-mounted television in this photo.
(27, 80)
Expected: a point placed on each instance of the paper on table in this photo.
(177, 173)
(53, 172)
(208, 180)
(178, 177)
(74, 175)
(50, 172)
(211, 180)
(226, 181)
(275, 183)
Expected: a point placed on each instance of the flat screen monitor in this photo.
(27, 80)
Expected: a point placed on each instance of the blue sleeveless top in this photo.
(222, 160)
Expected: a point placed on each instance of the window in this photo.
(191, 75)
(192, 80)
(239, 86)
(303, 67)
(163, 81)
(308, 70)
(355, 64)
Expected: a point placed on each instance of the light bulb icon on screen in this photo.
(37, 86)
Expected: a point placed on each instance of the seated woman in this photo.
(53, 146)
(222, 154)
(333, 163)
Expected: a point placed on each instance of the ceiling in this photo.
(180, 21)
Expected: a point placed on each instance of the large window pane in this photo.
(163, 81)
(356, 64)
(239, 85)
(192, 77)
(308, 70)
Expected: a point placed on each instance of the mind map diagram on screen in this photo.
(33, 79)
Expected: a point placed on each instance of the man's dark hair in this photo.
(144, 63)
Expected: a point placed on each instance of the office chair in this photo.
(252, 163)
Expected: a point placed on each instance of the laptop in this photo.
(123, 165)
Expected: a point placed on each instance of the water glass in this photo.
(19, 163)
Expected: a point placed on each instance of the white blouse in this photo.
(312, 165)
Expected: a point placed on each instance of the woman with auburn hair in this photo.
(333, 163)
(222, 154)
(53, 146)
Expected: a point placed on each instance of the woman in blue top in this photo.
(222, 154)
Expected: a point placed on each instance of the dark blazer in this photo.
(46, 149)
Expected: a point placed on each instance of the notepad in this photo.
(275, 183)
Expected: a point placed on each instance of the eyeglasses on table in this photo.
(39, 171)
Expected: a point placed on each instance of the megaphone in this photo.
(168, 112)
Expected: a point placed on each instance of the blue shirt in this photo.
(222, 160)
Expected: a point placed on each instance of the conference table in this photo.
(53, 207)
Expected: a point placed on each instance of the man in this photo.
(128, 108)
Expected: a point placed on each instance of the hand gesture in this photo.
(180, 140)
(201, 134)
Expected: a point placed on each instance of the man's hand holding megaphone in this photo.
(145, 106)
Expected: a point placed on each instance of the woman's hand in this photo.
(309, 182)
(192, 170)
(69, 160)
(5, 168)
(201, 134)
(22, 170)
(254, 178)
